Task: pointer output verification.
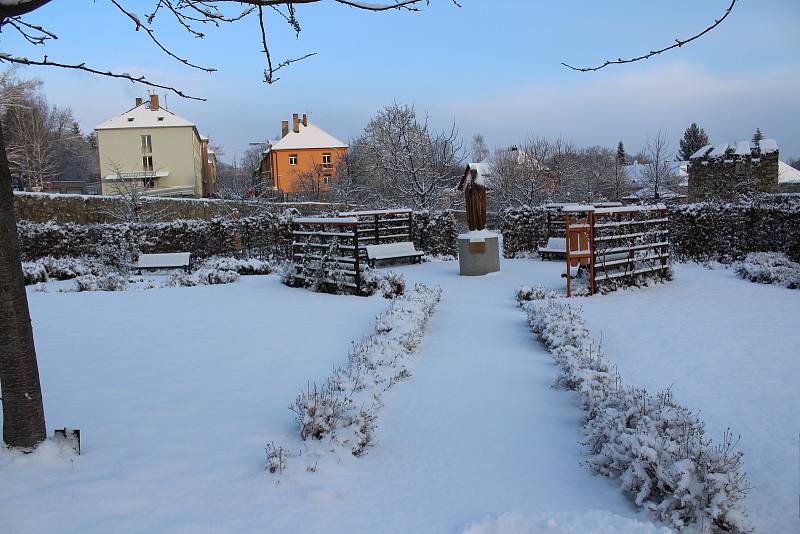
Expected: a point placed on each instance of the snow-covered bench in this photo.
(393, 251)
(556, 246)
(175, 260)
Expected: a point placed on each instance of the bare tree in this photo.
(23, 413)
(658, 176)
(520, 175)
(479, 149)
(403, 162)
(132, 204)
(36, 134)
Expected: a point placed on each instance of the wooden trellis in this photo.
(312, 238)
(382, 226)
(352, 232)
(618, 246)
(555, 219)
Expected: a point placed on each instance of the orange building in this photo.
(304, 160)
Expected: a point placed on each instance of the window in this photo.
(149, 183)
(326, 179)
(147, 144)
(147, 163)
(326, 158)
(292, 159)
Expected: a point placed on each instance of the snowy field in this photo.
(729, 348)
(177, 392)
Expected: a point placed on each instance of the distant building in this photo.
(303, 160)
(151, 147)
(724, 171)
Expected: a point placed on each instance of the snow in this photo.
(742, 148)
(629, 209)
(788, 174)
(726, 347)
(374, 212)
(178, 391)
(325, 220)
(702, 152)
(594, 521)
(310, 136)
(719, 150)
(478, 235)
(142, 117)
(768, 145)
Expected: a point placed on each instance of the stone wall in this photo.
(725, 177)
(94, 209)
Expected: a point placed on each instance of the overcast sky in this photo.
(491, 66)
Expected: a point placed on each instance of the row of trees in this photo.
(400, 160)
(44, 142)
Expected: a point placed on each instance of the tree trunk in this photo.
(23, 411)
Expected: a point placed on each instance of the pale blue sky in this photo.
(492, 66)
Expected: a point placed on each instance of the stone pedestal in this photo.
(478, 253)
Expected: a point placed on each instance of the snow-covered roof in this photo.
(740, 148)
(702, 152)
(743, 148)
(768, 145)
(142, 117)
(310, 136)
(788, 174)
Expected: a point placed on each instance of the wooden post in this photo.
(591, 253)
(377, 230)
(357, 256)
(567, 255)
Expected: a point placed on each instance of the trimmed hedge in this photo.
(264, 236)
(724, 232)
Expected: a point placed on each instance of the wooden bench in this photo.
(556, 246)
(175, 260)
(393, 251)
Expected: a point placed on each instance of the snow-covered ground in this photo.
(177, 392)
(729, 348)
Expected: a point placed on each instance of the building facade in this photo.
(151, 148)
(725, 171)
(304, 160)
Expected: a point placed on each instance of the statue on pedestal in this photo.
(474, 187)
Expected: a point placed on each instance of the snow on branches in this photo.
(653, 445)
(339, 414)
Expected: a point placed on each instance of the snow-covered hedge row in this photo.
(655, 447)
(700, 232)
(202, 277)
(50, 268)
(770, 268)
(339, 415)
(244, 266)
(266, 236)
(436, 233)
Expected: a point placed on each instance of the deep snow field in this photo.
(177, 391)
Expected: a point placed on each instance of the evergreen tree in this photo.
(758, 136)
(694, 138)
(622, 157)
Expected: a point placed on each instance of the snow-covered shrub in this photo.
(243, 266)
(390, 285)
(341, 412)
(109, 281)
(656, 447)
(324, 273)
(527, 293)
(34, 272)
(202, 277)
(524, 230)
(770, 268)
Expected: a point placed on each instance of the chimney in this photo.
(138, 102)
(305, 119)
(153, 102)
(284, 129)
(296, 122)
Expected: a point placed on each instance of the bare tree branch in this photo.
(678, 43)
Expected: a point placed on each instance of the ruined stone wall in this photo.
(725, 177)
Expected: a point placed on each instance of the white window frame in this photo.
(145, 163)
(292, 159)
(147, 144)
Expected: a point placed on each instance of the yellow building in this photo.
(150, 147)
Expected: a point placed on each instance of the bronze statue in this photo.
(474, 188)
